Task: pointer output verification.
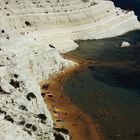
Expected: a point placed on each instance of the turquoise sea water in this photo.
(109, 91)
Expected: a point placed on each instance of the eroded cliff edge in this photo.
(32, 34)
(23, 114)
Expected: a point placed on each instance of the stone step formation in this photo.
(32, 34)
(63, 19)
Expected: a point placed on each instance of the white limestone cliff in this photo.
(32, 34)
(59, 22)
(23, 113)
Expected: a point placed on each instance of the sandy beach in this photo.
(64, 112)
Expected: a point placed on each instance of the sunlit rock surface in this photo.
(59, 22)
(32, 34)
(125, 44)
(21, 106)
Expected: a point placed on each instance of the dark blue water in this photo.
(129, 5)
(109, 91)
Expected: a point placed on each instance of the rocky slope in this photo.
(59, 22)
(32, 33)
(23, 113)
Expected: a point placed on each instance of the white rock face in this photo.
(13, 132)
(125, 44)
(32, 33)
(32, 22)
(22, 107)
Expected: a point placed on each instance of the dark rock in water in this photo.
(135, 134)
(91, 68)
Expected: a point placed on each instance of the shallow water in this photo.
(109, 91)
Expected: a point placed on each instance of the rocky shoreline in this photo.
(33, 34)
(21, 106)
(66, 115)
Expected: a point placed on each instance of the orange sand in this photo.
(65, 114)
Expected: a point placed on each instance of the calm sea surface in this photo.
(109, 91)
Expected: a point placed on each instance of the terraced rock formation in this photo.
(59, 22)
(32, 33)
